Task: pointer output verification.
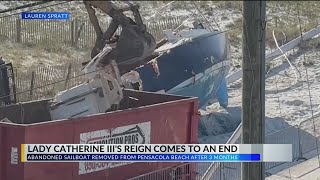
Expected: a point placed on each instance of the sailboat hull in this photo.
(194, 68)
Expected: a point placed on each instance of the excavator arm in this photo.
(134, 41)
(99, 34)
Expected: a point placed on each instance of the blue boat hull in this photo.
(196, 68)
(207, 88)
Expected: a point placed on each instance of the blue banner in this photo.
(45, 15)
(146, 157)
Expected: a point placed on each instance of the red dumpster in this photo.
(143, 118)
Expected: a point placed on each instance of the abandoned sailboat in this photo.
(193, 62)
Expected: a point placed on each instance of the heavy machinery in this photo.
(132, 47)
(111, 57)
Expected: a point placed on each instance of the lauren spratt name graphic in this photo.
(143, 157)
(45, 15)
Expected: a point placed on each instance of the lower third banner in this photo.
(142, 157)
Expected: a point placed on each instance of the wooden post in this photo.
(72, 30)
(253, 83)
(75, 26)
(79, 33)
(67, 77)
(32, 84)
(18, 24)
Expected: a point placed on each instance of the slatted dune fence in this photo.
(46, 81)
(27, 81)
(22, 84)
(73, 32)
(156, 28)
(8, 28)
(35, 32)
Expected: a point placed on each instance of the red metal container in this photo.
(144, 118)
